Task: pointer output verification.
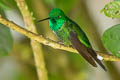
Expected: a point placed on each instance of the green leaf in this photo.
(7, 4)
(111, 40)
(112, 9)
(6, 40)
(12, 3)
(4, 5)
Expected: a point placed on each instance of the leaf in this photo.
(111, 40)
(4, 5)
(6, 40)
(112, 9)
(12, 3)
(7, 4)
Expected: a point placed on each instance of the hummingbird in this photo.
(71, 34)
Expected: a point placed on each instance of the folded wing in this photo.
(88, 53)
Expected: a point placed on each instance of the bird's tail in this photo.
(88, 53)
(94, 55)
(81, 49)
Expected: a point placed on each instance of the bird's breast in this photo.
(63, 35)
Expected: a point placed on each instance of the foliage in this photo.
(111, 39)
(60, 64)
(7, 4)
(6, 41)
(112, 9)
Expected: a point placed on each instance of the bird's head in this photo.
(56, 19)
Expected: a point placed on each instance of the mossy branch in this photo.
(36, 47)
(48, 42)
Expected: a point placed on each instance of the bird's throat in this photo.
(55, 25)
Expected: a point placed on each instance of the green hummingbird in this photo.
(72, 35)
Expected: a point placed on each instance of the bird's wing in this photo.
(88, 53)
(81, 48)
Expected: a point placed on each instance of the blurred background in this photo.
(61, 65)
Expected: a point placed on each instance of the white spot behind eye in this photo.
(99, 57)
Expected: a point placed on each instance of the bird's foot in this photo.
(61, 43)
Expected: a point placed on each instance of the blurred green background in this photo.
(61, 65)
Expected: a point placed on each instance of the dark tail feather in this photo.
(94, 55)
(81, 49)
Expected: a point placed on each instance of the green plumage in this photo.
(71, 34)
(62, 26)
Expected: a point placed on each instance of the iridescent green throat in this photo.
(57, 19)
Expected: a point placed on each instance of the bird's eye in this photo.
(53, 20)
(58, 17)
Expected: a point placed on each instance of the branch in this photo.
(48, 42)
(36, 47)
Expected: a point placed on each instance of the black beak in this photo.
(43, 19)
